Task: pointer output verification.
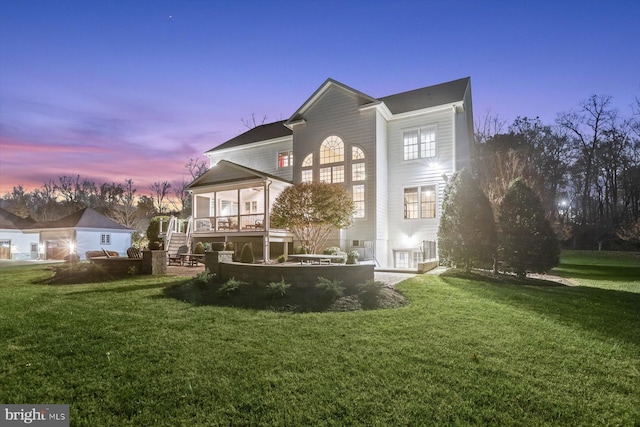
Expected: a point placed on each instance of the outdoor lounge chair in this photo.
(179, 255)
(134, 253)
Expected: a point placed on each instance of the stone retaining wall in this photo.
(301, 275)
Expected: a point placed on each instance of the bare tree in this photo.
(196, 167)
(487, 127)
(252, 121)
(160, 191)
(124, 211)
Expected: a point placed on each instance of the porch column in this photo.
(267, 225)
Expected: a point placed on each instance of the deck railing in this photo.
(232, 223)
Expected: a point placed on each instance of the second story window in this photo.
(332, 150)
(420, 202)
(307, 172)
(420, 143)
(285, 159)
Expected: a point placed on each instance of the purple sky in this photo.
(113, 90)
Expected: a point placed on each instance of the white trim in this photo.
(433, 109)
(214, 151)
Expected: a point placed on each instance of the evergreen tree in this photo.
(527, 240)
(467, 231)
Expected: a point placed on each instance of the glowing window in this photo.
(308, 161)
(285, 159)
(332, 150)
(420, 143)
(411, 203)
(357, 153)
(358, 201)
(357, 172)
(307, 175)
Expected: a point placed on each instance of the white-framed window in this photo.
(408, 258)
(285, 159)
(307, 175)
(308, 161)
(358, 172)
(332, 150)
(420, 202)
(358, 201)
(251, 206)
(357, 165)
(419, 143)
(105, 239)
(332, 174)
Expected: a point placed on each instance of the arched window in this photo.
(332, 150)
(357, 165)
(307, 171)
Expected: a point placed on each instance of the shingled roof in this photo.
(258, 133)
(418, 99)
(84, 218)
(11, 221)
(225, 172)
(430, 96)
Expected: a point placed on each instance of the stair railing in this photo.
(187, 231)
(170, 229)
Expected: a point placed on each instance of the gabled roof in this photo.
(84, 218)
(430, 96)
(418, 99)
(363, 98)
(225, 172)
(11, 221)
(258, 133)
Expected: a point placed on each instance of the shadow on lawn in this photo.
(612, 313)
(613, 273)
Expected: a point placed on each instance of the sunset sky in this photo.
(113, 90)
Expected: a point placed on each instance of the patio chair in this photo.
(134, 253)
(179, 255)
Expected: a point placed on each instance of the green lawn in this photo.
(467, 350)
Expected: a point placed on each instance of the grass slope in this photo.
(466, 350)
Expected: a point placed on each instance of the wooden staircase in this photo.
(177, 240)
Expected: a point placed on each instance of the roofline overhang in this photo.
(457, 105)
(253, 144)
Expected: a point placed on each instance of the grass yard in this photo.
(467, 350)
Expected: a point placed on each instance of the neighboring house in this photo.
(394, 154)
(82, 231)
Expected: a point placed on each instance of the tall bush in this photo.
(467, 233)
(246, 255)
(527, 240)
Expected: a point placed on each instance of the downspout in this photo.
(266, 223)
(455, 142)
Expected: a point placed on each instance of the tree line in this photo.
(119, 201)
(585, 168)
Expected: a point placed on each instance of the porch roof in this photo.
(225, 172)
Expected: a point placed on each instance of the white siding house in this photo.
(394, 154)
(83, 231)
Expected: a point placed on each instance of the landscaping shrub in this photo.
(232, 286)
(153, 233)
(369, 293)
(282, 259)
(246, 255)
(352, 256)
(329, 290)
(278, 289)
(198, 248)
(331, 250)
(228, 246)
(203, 278)
(217, 246)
